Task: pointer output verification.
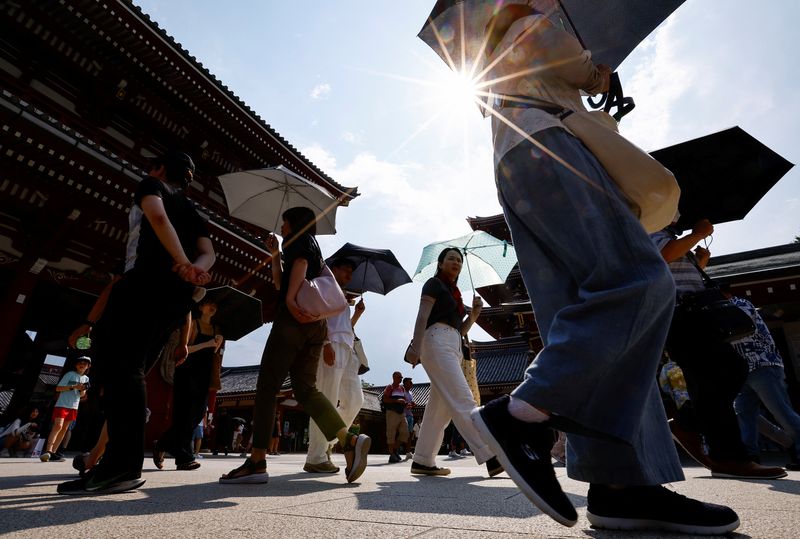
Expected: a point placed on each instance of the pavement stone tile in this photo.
(387, 502)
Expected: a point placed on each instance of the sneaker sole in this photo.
(512, 472)
(251, 479)
(631, 524)
(721, 475)
(115, 488)
(310, 469)
(431, 473)
(360, 458)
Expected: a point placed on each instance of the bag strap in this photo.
(707, 280)
(526, 102)
(322, 263)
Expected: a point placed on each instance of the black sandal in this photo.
(248, 473)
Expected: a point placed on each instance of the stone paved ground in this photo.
(388, 502)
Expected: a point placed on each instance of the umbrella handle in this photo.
(466, 260)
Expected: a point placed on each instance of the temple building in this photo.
(89, 92)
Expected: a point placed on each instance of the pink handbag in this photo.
(321, 297)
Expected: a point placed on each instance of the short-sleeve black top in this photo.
(304, 246)
(445, 309)
(151, 256)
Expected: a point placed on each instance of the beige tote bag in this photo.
(650, 188)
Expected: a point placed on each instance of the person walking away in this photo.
(602, 295)
(337, 373)
(169, 253)
(71, 388)
(441, 323)
(713, 370)
(190, 391)
(765, 384)
(293, 347)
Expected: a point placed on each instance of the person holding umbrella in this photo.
(294, 347)
(337, 373)
(190, 390)
(603, 299)
(441, 322)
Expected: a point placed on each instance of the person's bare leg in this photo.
(98, 449)
(58, 425)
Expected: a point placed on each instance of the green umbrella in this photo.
(488, 259)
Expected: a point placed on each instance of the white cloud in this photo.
(659, 81)
(352, 138)
(320, 91)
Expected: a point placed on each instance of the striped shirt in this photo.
(687, 277)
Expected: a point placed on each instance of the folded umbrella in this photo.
(722, 175)
(261, 196)
(237, 313)
(376, 270)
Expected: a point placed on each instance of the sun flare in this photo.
(456, 92)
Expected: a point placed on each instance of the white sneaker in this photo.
(465, 453)
(453, 455)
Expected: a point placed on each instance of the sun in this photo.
(455, 92)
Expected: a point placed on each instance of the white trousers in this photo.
(339, 383)
(450, 397)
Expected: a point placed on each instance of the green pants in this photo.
(292, 348)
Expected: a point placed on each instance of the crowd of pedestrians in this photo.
(607, 299)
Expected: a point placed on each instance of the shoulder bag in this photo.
(321, 296)
(651, 190)
(712, 314)
(363, 363)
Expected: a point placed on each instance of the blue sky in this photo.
(350, 85)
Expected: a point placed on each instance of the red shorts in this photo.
(68, 414)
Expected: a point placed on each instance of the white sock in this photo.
(519, 409)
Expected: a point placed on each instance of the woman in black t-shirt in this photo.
(294, 347)
(441, 323)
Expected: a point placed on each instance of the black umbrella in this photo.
(611, 29)
(377, 270)
(237, 313)
(722, 175)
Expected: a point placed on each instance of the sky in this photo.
(351, 86)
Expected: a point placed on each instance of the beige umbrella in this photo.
(261, 196)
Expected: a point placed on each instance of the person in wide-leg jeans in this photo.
(603, 299)
(450, 397)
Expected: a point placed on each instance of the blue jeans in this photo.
(766, 385)
(603, 299)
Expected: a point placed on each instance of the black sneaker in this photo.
(57, 457)
(394, 458)
(793, 466)
(494, 467)
(656, 508)
(421, 469)
(91, 485)
(523, 449)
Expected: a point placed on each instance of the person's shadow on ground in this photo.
(27, 512)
